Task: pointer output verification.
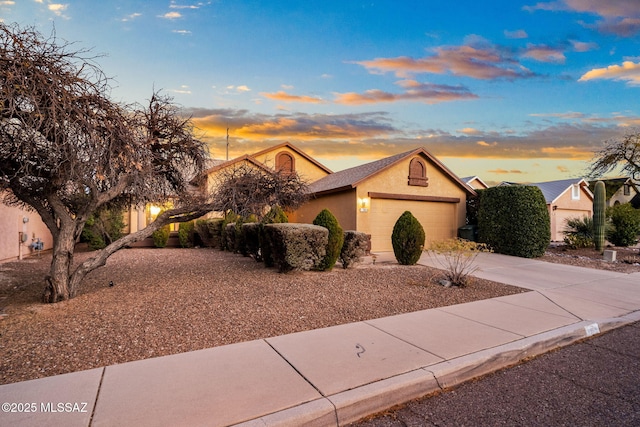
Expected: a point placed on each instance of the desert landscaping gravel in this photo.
(171, 300)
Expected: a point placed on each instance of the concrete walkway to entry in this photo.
(336, 375)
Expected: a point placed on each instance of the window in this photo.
(627, 190)
(575, 192)
(418, 173)
(285, 163)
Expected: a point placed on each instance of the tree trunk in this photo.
(57, 282)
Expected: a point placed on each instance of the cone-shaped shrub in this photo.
(599, 219)
(407, 239)
(336, 238)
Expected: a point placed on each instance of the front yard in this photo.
(167, 301)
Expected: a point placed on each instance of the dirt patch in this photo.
(627, 259)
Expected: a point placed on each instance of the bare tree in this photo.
(67, 150)
(250, 190)
(623, 153)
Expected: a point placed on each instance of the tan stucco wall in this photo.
(11, 224)
(306, 169)
(619, 196)
(342, 206)
(568, 208)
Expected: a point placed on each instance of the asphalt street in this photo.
(592, 383)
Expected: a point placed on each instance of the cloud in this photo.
(619, 17)
(517, 34)
(7, 3)
(469, 131)
(131, 17)
(487, 144)
(500, 171)
(583, 47)
(239, 89)
(544, 53)
(628, 71)
(477, 60)
(171, 15)
(184, 89)
(563, 169)
(58, 8)
(182, 32)
(285, 97)
(427, 93)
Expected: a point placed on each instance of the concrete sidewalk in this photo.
(336, 375)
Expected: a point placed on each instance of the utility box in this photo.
(468, 232)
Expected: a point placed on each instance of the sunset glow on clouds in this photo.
(518, 90)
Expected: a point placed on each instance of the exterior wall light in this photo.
(363, 204)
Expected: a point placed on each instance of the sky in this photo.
(507, 90)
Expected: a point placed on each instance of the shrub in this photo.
(354, 247)
(161, 236)
(407, 239)
(186, 234)
(103, 228)
(457, 258)
(229, 217)
(514, 220)
(229, 232)
(578, 232)
(296, 246)
(240, 242)
(251, 238)
(625, 222)
(209, 231)
(336, 238)
(275, 216)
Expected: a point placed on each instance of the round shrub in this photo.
(186, 234)
(336, 238)
(626, 225)
(407, 239)
(514, 220)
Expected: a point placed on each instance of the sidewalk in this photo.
(337, 375)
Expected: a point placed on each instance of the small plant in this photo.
(578, 233)
(457, 257)
(625, 222)
(407, 239)
(161, 236)
(336, 238)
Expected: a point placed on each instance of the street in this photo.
(593, 383)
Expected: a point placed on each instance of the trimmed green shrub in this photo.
(354, 247)
(209, 231)
(229, 232)
(578, 233)
(103, 228)
(230, 217)
(161, 236)
(626, 225)
(336, 238)
(407, 239)
(251, 238)
(514, 220)
(275, 216)
(296, 246)
(186, 234)
(240, 243)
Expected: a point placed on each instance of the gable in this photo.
(286, 155)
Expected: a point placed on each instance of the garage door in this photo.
(437, 218)
(560, 223)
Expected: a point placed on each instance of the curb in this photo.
(352, 405)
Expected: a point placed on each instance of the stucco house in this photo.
(566, 198)
(19, 229)
(370, 198)
(475, 182)
(620, 191)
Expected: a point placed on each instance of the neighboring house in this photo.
(475, 182)
(15, 223)
(370, 198)
(567, 198)
(619, 190)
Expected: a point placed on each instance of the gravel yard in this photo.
(167, 301)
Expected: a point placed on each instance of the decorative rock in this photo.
(445, 283)
(609, 255)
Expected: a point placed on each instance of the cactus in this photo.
(599, 207)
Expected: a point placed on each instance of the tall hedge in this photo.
(336, 238)
(514, 220)
(407, 239)
(275, 216)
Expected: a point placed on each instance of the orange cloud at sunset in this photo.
(285, 97)
(414, 91)
(628, 71)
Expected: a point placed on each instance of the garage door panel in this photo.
(437, 218)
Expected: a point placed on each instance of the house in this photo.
(21, 230)
(370, 198)
(567, 198)
(475, 182)
(620, 191)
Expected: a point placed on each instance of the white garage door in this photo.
(437, 218)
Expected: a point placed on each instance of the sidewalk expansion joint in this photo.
(95, 402)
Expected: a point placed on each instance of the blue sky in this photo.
(506, 90)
